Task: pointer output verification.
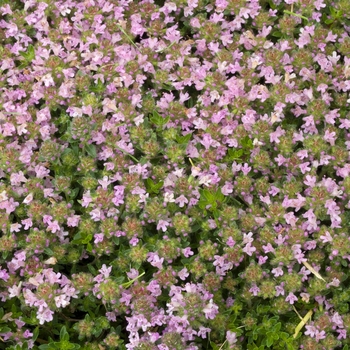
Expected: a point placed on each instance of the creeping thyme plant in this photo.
(174, 175)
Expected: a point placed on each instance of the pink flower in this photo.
(291, 298)
(279, 290)
(98, 238)
(249, 249)
(181, 201)
(277, 271)
(155, 261)
(162, 224)
(326, 238)
(211, 310)
(227, 188)
(183, 274)
(320, 335)
(310, 330)
(53, 226)
(254, 290)
(45, 316)
(62, 300)
(4, 275)
(187, 252)
(73, 221)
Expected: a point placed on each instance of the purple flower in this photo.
(310, 330)
(231, 337)
(277, 271)
(155, 261)
(249, 249)
(46, 315)
(162, 224)
(183, 274)
(291, 298)
(211, 310)
(187, 252)
(254, 290)
(279, 290)
(181, 200)
(4, 275)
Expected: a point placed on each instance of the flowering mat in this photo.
(174, 175)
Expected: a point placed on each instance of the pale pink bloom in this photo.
(62, 300)
(249, 249)
(291, 298)
(73, 221)
(53, 226)
(162, 224)
(183, 274)
(310, 330)
(4, 275)
(181, 201)
(277, 271)
(169, 197)
(29, 297)
(211, 310)
(247, 238)
(187, 252)
(156, 261)
(45, 316)
(15, 227)
(98, 238)
(27, 223)
(96, 214)
(105, 271)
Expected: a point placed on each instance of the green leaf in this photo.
(29, 55)
(98, 88)
(235, 154)
(97, 331)
(214, 346)
(329, 21)
(247, 143)
(269, 342)
(153, 187)
(92, 269)
(183, 140)
(74, 192)
(35, 333)
(277, 34)
(64, 334)
(4, 329)
(158, 120)
(284, 335)
(91, 150)
(263, 309)
(277, 327)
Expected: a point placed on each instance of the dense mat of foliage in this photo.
(174, 174)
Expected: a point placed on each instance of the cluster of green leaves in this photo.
(28, 56)
(62, 344)
(240, 154)
(265, 332)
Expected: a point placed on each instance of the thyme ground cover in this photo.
(174, 174)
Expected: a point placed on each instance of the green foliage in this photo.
(28, 56)
(158, 120)
(63, 344)
(152, 187)
(240, 154)
(210, 200)
(98, 88)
